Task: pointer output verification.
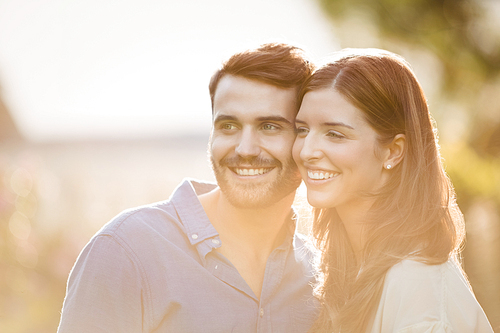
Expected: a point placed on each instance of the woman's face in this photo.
(335, 151)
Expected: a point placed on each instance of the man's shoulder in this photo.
(158, 216)
(144, 219)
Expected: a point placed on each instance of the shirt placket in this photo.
(275, 268)
(226, 272)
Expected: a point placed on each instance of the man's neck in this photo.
(258, 229)
(248, 236)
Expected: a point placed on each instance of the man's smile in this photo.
(251, 171)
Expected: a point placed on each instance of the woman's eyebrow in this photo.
(327, 123)
(338, 124)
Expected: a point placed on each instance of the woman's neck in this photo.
(354, 218)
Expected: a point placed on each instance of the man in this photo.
(212, 259)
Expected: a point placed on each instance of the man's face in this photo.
(251, 142)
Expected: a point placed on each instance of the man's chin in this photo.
(252, 195)
(253, 199)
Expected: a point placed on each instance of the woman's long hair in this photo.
(415, 215)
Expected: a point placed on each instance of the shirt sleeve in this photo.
(104, 292)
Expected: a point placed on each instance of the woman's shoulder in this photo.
(421, 284)
(417, 294)
(412, 271)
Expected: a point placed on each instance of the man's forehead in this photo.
(240, 84)
(242, 98)
(230, 79)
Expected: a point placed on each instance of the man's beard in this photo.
(258, 194)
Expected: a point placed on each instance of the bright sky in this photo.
(134, 68)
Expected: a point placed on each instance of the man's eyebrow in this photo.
(276, 119)
(224, 118)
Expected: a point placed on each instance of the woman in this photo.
(385, 218)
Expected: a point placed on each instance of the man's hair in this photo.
(278, 64)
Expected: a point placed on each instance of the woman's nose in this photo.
(310, 149)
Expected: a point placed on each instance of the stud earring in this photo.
(388, 167)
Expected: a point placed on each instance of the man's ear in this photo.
(395, 151)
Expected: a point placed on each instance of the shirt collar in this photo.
(198, 228)
(291, 221)
(192, 215)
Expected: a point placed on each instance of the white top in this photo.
(428, 298)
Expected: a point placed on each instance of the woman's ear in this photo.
(396, 151)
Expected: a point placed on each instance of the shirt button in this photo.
(216, 241)
(261, 312)
(194, 236)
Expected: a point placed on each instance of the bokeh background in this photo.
(104, 106)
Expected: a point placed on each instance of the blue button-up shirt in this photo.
(154, 269)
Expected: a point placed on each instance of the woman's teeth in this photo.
(320, 174)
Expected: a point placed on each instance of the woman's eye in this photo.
(301, 131)
(334, 134)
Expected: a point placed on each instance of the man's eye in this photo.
(269, 127)
(228, 127)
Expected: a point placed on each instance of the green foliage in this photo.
(473, 176)
(452, 29)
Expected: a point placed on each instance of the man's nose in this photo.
(248, 144)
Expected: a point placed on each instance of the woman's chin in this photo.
(321, 203)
